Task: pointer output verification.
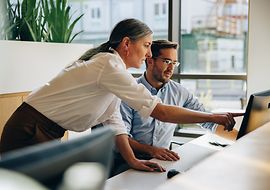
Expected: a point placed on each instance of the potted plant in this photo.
(45, 20)
(58, 21)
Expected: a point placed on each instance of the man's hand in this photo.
(145, 165)
(154, 152)
(163, 154)
(226, 119)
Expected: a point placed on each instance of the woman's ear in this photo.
(125, 45)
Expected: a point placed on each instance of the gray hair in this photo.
(132, 28)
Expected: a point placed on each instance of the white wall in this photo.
(259, 46)
(25, 66)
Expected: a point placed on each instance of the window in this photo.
(156, 9)
(213, 50)
(160, 9)
(100, 16)
(164, 8)
(95, 13)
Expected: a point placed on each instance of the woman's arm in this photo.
(124, 148)
(175, 114)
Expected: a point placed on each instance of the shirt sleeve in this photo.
(116, 79)
(127, 116)
(116, 123)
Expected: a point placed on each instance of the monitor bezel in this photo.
(47, 162)
(244, 125)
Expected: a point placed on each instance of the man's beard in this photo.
(160, 78)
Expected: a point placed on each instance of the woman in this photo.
(88, 92)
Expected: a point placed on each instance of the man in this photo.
(148, 136)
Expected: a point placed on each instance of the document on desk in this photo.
(190, 153)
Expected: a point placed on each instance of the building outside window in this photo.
(100, 16)
(160, 9)
(213, 51)
(164, 8)
(156, 9)
(95, 13)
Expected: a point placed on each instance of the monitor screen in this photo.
(257, 113)
(47, 162)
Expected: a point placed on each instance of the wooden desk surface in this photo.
(243, 166)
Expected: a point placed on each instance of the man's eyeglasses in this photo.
(169, 61)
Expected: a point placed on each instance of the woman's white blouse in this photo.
(87, 93)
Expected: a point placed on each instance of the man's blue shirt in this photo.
(152, 131)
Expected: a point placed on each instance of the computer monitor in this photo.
(257, 113)
(47, 162)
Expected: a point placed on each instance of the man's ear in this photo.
(150, 61)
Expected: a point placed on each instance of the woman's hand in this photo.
(124, 148)
(145, 165)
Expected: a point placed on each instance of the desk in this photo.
(138, 180)
(243, 166)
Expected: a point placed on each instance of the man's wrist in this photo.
(131, 161)
(150, 150)
(139, 147)
(147, 149)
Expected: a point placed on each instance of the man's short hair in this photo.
(157, 45)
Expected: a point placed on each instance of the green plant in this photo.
(47, 20)
(2, 19)
(32, 24)
(58, 20)
(23, 21)
(8, 21)
(12, 31)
